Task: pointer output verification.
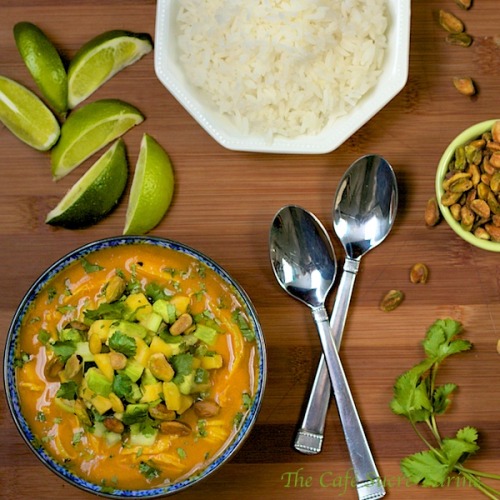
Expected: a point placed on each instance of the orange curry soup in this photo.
(97, 445)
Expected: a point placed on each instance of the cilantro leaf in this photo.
(411, 397)
(67, 390)
(457, 449)
(89, 267)
(243, 325)
(105, 310)
(156, 292)
(149, 471)
(123, 343)
(425, 468)
(441, 342)
(63, 349)
(182, 363)
(441, 399)
(122, 385)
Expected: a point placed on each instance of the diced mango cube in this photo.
(103, 362)
(139, 305)
(181, 303)
(211, 362)
(101, 328)
(151, 392)
(142, 352)
(172, 396)
(159, 345)
(101, 403)
(186, 403)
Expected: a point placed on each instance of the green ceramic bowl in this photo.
(464, 137)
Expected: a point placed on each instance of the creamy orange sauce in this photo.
(65, 438)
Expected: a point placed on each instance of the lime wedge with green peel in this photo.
(152, 188)
(90, 128)
(101, 58)
(96, 193)
(26, 116)
(44, 64)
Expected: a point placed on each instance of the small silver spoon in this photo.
(364, 212)
(303, 262)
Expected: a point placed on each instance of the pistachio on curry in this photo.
(136, 366)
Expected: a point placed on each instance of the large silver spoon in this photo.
(364, 211)
(303, 262)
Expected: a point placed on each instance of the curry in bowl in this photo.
(137, 367)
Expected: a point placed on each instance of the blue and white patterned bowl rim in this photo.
(10, 378)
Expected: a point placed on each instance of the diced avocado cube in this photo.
(151, 321)
(206, 334)
(135, 394)
(148, 378)
(138, 437)
(112, 438)
(135, 413)
(165, 309)
(82, 350)
(128, 328)
(133, 369)
(98, 382)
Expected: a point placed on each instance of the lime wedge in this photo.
(90, 128)
(96, 193)
(44, 64)
(101, 58)
(26, 116)
(152, 188)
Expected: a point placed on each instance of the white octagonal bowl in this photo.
(336, 132)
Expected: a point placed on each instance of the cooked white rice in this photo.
(283, 67)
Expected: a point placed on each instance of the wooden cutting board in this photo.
(223, 206)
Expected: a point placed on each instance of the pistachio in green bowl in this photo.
(483, 232)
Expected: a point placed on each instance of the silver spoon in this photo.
(364, 212)
(303, 262)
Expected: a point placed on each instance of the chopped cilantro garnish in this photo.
(122, 385)
(247, 400)
(52, 293)
(89, 267)
(40, 417)
(181, 452)
(182, 363)
(63, 349)
(156, 292)
(68, 390)
(77, 437)
(149, 471)
(21, 360)
(105, 310)
(123, 343)
(246, 330)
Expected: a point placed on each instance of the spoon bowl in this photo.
(306, 272)
(365, 205)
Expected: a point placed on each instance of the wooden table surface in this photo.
(223, 205)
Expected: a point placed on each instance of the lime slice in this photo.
(152, 188)
(44, 64)
(90, 128)
(101, 58)
(96, 193)
(26, 116)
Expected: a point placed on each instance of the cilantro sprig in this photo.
(419, 398)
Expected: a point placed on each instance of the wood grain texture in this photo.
(223, 206)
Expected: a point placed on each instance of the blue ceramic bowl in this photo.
(10, 373)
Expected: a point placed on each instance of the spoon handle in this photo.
(309, 437)
(368, 482)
